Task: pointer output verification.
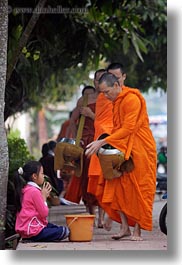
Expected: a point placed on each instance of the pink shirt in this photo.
(32, 217)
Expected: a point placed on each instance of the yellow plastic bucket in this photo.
(81, 227)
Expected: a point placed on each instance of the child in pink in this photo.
(31, 206)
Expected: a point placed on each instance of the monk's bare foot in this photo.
(101, 217)
(100, 225)
(136, 234)
(136, 238)
(123, 233)
(108, 224)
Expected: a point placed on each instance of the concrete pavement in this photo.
(154, 240)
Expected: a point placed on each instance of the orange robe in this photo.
(133, 193)
(63, 129)
(103, 124)
(77, 188)
(74, 192)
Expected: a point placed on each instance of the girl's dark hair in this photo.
(21, 179)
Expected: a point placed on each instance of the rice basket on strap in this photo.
(113, 161)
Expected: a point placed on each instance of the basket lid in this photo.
(67, 140)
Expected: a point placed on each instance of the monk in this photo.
(128, 199)
(79, 109)
(103, 123)
(94, 165)
(77, 188)
(64, 128)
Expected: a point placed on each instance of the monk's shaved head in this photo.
(109, 79)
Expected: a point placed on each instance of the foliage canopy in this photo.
(64, 46)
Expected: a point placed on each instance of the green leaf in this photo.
(126, 43)
(135, 44)
(27, 54)
(141, 45)
(36, 57)
(24, 50)
(16, 32)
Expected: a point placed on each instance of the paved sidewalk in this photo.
(154, 240)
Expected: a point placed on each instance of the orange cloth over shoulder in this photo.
(103, 124)
(63, 130)
(133, 193)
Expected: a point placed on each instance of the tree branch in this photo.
(24, 38)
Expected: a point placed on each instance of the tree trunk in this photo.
(24, 38)
(3, 140)
(42, 128)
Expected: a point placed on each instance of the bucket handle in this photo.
(74, 219)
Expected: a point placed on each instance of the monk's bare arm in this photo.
(87, 112)
(94, 146)
(72, 128)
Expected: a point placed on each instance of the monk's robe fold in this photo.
(78, 186)
(133, 193)
(74, 192)
(103, 123)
